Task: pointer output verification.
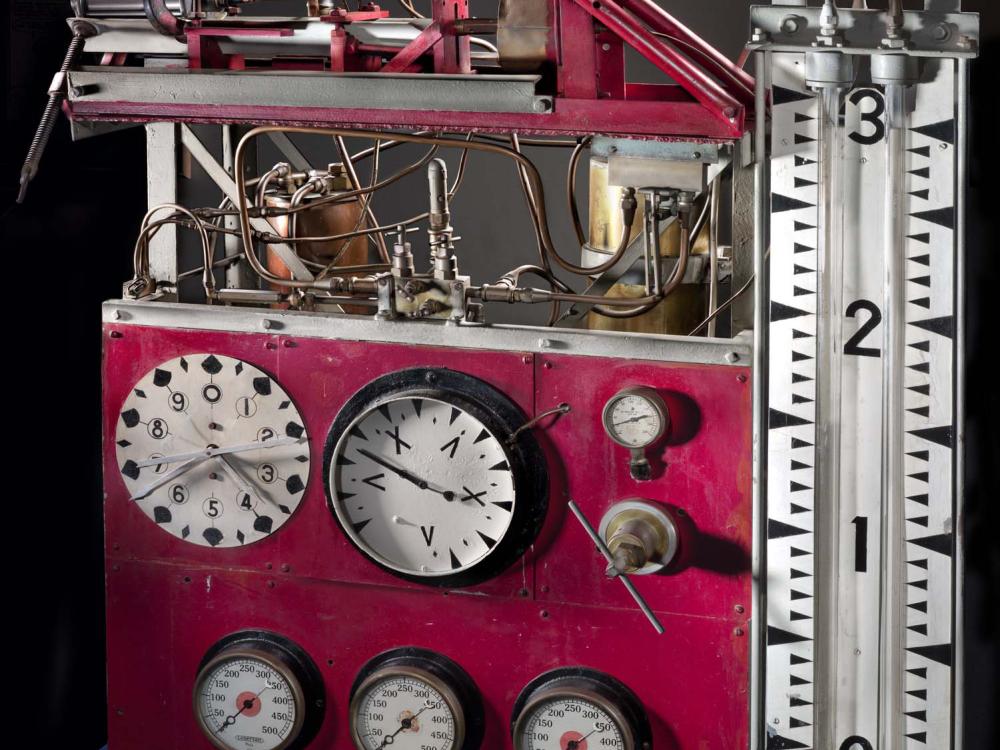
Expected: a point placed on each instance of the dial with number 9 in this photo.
(212, 450)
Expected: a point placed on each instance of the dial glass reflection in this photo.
(247, 704)
(423, 486)
(405, 713)
(570, 724)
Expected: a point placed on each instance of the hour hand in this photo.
(175, 472)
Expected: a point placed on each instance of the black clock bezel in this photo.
(502, 417)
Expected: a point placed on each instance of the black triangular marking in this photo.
(921, 411)
(920, 455)
(455, 414)
(796, 616)
(924, 172)
(785, 312)
(211, 365)
(797, 443)
(921, 346)
(793, 680)
(161, 378)
(779, 529)
(918, 715)
(343, 460)
(924, 302)
(800, 356)
(922, 151)
(796, 552)
(921, 499)
(924, 260)
(921, 629)
(502, 466)
(799, 574)
(919, 520)
(490, 543)
(923, 237)
(944, 217)
(921, 367)
(922, 280)
(943, 326)
(922, 564)
(797, 487)
(920, 694)
(777, 742)
(794, 659)
(796, 595)
(418, 405)
(360, 525)
(384, 410)
(797, 399)
(797, 334)
(781, 203)
(357, 432)
(481, 436)
(922, 585)
(782, 95)
(455, 564)
(799, 117)
(262, 385)
(937, 543)
(942, 131)
(796, 702)
(162, 514)
(793, 508)
(918, 606)
(919, 737)
(800, 248)
(919, 672)
(800, 139)
(797, 269)
(801, 183)
(800, 292)
(778, 419)
(801, 226)
(778, 637)
(797, 723)
(505, 504)
(797, 378)
(921, 194)
(939, 435)
(799, 465)
(923, 390)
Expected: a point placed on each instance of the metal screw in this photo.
(522, 592)
(289, 344)
(738, 632)
(270, 584)
(790, 24)
(739, 609)
(431, 377)
(941, 32)
(732, 357)
(116, 334)
(544, 614)
(605, 47)
(268, 566)
(547, 365)
(285, 568)
(526, 359)
(545, 589)
(741, 378)
(270, 345)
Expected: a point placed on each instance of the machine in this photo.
(708, 499)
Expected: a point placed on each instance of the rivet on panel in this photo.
(116, 334)
(270, 584)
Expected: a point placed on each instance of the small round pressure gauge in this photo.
(636, 417)
(413, 699)
(258, 691)
(579, 709)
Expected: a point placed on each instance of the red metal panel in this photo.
(169, 601)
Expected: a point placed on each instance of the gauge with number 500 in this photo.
(258, 691)
(413, 699)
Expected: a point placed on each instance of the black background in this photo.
(69, 248)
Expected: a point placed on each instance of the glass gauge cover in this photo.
(636, 417)
(414, 699)
(258, 691)
(212, 450)
(579, 709)
(426, 479)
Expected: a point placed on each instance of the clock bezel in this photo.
(501, 416)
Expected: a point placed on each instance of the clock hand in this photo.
(413, 479)
(232, 472)
(632, 419)
(172, 474)
(209, 452)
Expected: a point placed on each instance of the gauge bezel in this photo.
(284, 657)
(501, 416)
(650, 396)
(581, 683)
(437, 670)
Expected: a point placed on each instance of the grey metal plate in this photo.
(430, 333)
(479, 93)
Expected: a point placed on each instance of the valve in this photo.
(640, 535)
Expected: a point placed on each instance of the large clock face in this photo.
(212, 450)
(424, 482)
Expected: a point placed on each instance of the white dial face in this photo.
(633, 420)
(570, 723)
(245, 703)
(404, 712)
(212, 450)
(422, 486)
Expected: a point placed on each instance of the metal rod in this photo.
(713, 254)
(603, 549)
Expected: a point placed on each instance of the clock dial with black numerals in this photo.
(428, 483)
(212, 450)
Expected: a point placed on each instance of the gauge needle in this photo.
(234, 474)
(209, 452)
(248, 703)
(446, 494)
(632, 419)
(172, 474)
(574, 744)
(404, 724)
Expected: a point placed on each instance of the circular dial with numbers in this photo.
(414, 699)
(257, 691)
(579, 709)
(636, 417)
(428, 479)
(212, 450)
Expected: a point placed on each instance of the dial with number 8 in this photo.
(213, 450)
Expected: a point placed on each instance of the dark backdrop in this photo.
(68, 249)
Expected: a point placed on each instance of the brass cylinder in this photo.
(686, 306)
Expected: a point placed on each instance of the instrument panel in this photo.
(427, 587)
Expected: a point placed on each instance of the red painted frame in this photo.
(169, 601)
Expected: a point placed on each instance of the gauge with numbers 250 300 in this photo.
(212, 450)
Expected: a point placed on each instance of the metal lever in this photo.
(626, 582)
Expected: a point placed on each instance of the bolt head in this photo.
(732, 357)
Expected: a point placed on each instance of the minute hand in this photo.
(209, 452)
(422, 484)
